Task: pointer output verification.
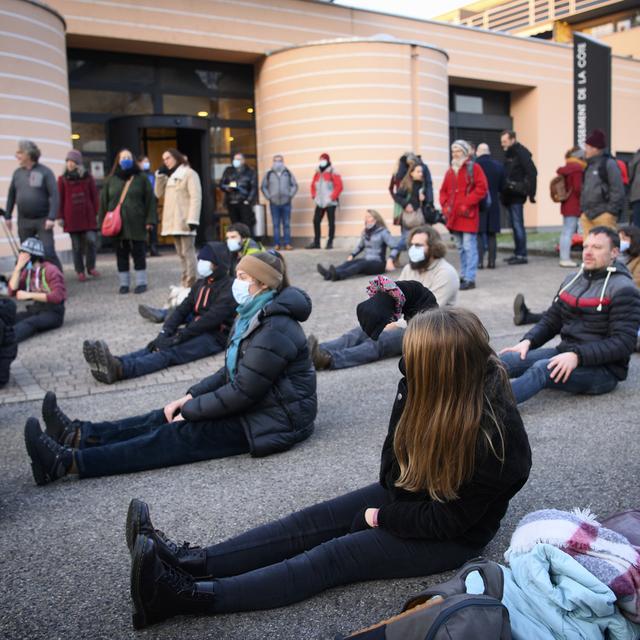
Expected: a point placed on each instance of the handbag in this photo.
(112, 223)
(412, 219)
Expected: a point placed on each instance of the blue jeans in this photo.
(468, 248)
(300, 555)
(531, 375)
(281, 213)
(516, 216)
(140, 363)
(355, 347)
(359, 265)
(569, 227)
(150, 442)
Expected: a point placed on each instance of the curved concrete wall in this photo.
(364, 102)
(34, 95)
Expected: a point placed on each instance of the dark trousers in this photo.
(359, 266)
(142, 362)
(30, 227)
(38, 318)
(298, 556)
(83, 246)
(134, 248)
(635, 213)
(317, 219)
(152, 239)
(355, 347)
(150, 442)
(487, 241)
(241, 212)
(516, 216)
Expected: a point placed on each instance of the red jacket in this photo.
(326, 187)
(573, 172)
(78, 203)
(460, 197)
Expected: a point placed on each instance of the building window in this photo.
(111, 102)
(468, 104)
(88, 137)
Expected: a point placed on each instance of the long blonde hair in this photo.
(447, 356)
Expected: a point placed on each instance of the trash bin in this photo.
(260, 227)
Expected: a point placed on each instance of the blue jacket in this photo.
(490, 220)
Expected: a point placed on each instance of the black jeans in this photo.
(317, 219)
(150, 442)
(241, 212)
(296, 557)
(358, 266)
(38, 318)
(83, 244)
(137, 249)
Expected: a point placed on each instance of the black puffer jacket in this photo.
(274, 388)
(8, 344)
(597, 314)
(519, 168)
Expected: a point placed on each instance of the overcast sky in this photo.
(411, 8)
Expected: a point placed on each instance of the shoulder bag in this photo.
(112, 223)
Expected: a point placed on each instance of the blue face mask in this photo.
(234, 245)
(624, 245)
(125, 163)
(146, 166)
(416, 253)
(204, 268)
(237, 163)
(240, 291)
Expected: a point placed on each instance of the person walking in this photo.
(326, 188)
(240, 186)
(634, 188)
(489, 224)
(180, 187)
(279, 186)
(572, 174)
(152, 239)
(463, 187)
(138, 211)
(78, 213)
(520, 183)
(34, 190)
(602, 196)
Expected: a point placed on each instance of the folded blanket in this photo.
(604, 553)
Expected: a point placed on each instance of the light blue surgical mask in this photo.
(322, 164)
(237, 163)
(240, 291)
(234, 245)
(205, 268)
(416, 253)
(126, 163)
(146, 166)
(278, 166)
(624, 245)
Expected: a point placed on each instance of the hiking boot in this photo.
(160, 591)
(151, 313)
(517, 260)
(189, 558)
(123, 289)
(50, 461)
(467, 285)
(321, 358)
(141, 288)
(520, 310)
(276, 247)
(333, 274)
(313, 245)
(89, 353)
(58, 425)
(323, 271)
(107, 365)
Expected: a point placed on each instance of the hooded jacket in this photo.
(572, 172)
(374, 243)
(78, 202)
(210, 302)
(460, 196)
(597, 314)
(598, 197)
(519, 168)
(273, 392)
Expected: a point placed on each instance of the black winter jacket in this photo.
(274, 388)
(246, 185)
(519, 168)
(8, 344)
(597, 314)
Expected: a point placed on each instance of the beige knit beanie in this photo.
(263, 267)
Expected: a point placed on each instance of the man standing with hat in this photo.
(602, 197)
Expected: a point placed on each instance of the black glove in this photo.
(417, 298)
(152, 346)
(163, 170)
(163, 341)
(193, 227)
(359, 523)
(532, 199)
(376, 313)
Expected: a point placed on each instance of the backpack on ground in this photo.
(558, 189)
(447, 611)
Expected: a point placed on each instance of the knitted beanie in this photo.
(325, 156)
(75, 156)
(207, 253)
(263, 267)
(463, 145)
(597, 139)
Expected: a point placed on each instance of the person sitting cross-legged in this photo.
(197, 328)
(597, 314)
(427, 265)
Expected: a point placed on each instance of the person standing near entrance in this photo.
(182, 191)
(279, 186)
(145, 166)
(33, 188)
(240, 186)
(78, 213)
(138, 211)
(520, 183)
(490, 212)
(326, 188)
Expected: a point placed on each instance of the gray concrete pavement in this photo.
(64, 565)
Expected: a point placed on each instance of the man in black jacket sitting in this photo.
(197, 328)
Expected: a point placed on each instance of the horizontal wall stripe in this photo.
(41, 141)
(338, 118)
(42, 25)
(429, 89)
(435, 105)
(324, 134)
(60, 51)
(617, 76)
(333, 72)
(519, 75)
(425, 74)
(49, 103)
(442, 121)
(334, 56)
(44, 63)
(46, 83)
(625, 90)
(334, 102)
(54, 123)
(334, 87)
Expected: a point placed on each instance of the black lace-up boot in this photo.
(49, 460)
(58, 425)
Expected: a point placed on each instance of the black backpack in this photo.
(447, 612)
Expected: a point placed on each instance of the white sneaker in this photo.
(568, 263)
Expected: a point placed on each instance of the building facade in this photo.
(296, 77)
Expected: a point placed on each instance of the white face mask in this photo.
(322, 164)
(234, 245)
(204, 268)
(624, 245)
(416, 253)
(240, 291)
(237, 164)
(146, 166)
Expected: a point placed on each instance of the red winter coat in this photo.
(460, 197)
(78, 203)
(573, 173)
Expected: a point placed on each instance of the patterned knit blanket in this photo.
(604, 553)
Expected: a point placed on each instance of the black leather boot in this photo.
(193, 560)
(160, 591)
(49, 460)
(58, 425)
(108, 368)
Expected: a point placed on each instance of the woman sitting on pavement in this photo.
(40, 282)
(261, 402)
(197, 328)
(374, 241)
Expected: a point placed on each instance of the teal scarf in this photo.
(246, 313)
